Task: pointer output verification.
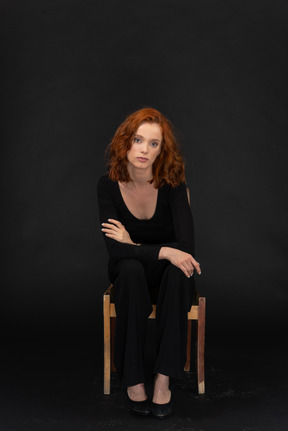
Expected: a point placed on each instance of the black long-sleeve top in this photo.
(170, 226)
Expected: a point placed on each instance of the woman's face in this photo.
(146, 146)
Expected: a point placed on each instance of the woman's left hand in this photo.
(115, 230)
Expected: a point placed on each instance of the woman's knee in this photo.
(175, 285)
(176, 273)
(130, 276)
(130, 268)
(131, 284)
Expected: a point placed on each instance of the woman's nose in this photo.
(144, 148)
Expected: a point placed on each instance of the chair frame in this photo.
(197, 312)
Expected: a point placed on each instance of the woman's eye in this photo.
(154, 144)
(137, 140)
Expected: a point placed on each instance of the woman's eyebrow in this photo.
(153, 139)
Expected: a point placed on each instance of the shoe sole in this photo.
(161, 416)
(138, 413)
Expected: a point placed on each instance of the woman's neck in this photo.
(140, 177)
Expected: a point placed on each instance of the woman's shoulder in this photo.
(105, 183)
(177, 193)
(174, 189)
(104, 179)
(169, 193)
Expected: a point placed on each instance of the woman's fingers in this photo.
(117, 222)
(192, 265)
(110, 235)
(184, 263)
(189, 265)
(185, 270)
(188, 269)
(114, 225)
(196, 265)
(115, 230)
(108, 227)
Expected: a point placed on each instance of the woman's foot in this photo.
(137, 400)
(161, 406)
(137, 392)
(162, 393)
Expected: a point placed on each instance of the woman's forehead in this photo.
(150, 130)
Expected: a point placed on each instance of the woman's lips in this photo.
(142, 159)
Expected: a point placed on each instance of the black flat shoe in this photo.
(142, 408)
(161, 411)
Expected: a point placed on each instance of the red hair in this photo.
(168, 167)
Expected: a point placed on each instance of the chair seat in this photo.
(192, 314)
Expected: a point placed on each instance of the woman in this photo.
(148, 230)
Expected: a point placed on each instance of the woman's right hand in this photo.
(115, 230)
(181, 259)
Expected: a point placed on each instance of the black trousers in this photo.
(135, 285)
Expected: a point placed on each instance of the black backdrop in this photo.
(71, 72)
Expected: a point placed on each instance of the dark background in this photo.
(71, 72)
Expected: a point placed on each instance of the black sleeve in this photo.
(182, 219)
(116, 249)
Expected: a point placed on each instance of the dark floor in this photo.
(58, 386)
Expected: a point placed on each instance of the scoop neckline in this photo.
(136, 218)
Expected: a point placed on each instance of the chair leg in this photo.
(107, 353)
(112, 323)
(200, 345)
(188, 357)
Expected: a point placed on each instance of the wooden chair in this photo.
(197, 312)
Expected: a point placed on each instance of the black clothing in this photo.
(133, 306)
(171, 224)
(137, 275)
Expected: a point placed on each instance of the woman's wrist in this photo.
(163, 253)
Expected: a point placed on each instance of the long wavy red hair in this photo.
(168, 167)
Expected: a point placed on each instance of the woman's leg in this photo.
(175, 297)
(133, 306)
